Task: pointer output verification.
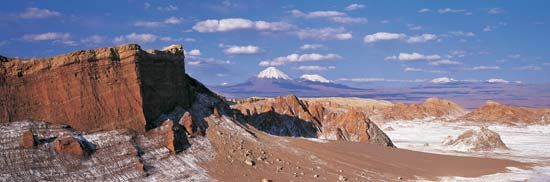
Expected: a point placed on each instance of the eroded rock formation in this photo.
(481, 139)
(500, 113)
(432, 107)
(290, 116)
(101, 89)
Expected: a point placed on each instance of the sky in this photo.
(229, 41)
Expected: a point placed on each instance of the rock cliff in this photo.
(102, 89)
(432, 107)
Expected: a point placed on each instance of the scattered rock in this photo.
(266, 180)
(139, 166)
(342, 178)
(389, 128)
(67, 144)
(400, 178)
(315, 176)
(27, 140)
(249, 162)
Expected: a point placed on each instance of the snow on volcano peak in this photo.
(315, 78)
(273, 73)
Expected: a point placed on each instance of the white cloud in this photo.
(293, 58)
(488, 28)
(248, 49)
(334, 16)
(385, 21)
(495, 11)
(315, 68)
(232, 24)
(94, 39)
(36, 13)
(154, 24)
(497, 80)
(146, 5)
(462, 33)
(449, 10)
(442, 80)
(410, 69)
(167, 8)
(478, 68)
(136, 38)
(444, 62)
(324, 34)
(312, 46)
(194, 52)
(514, 56)
(383, 36)
(422, 38)
(354, 6)
(414, 57)
(423, 10)
(348, 20)
(530, 68)
(46, 36)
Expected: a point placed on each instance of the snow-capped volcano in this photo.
(273, 73)
(315, 78)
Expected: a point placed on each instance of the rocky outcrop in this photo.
(432, 107)
(481, 139)
(500, 113)
(171, 135)
(92, 90)
(290, 116)
(27, 140)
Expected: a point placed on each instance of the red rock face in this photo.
(171, 135)
(101, 89)
(500, 113)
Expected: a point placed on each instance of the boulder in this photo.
(481, 139)
(66, 144)
(171, 135)
(27, 140)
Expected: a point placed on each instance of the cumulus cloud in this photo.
(235, 50)
(294, 58)
(194, 52)
(324, 34)
(354, 6)
(334, 16)
(46, 36)
(383, 36)
(422, 38)
(413, 57)
(462, 33)
(449, 10)
(389, 36)
(232, 24)
(36, 13)
(136, 38)
(444, 62)
(154, 24)
(312, 46)
(497, 80)
(315, 68)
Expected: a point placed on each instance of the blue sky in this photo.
(345, 41)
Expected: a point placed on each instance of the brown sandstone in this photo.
(69, 145)
(92, 90)
(501, 113)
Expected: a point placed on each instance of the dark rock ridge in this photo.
(102, 89)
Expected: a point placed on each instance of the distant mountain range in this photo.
(274, 82)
